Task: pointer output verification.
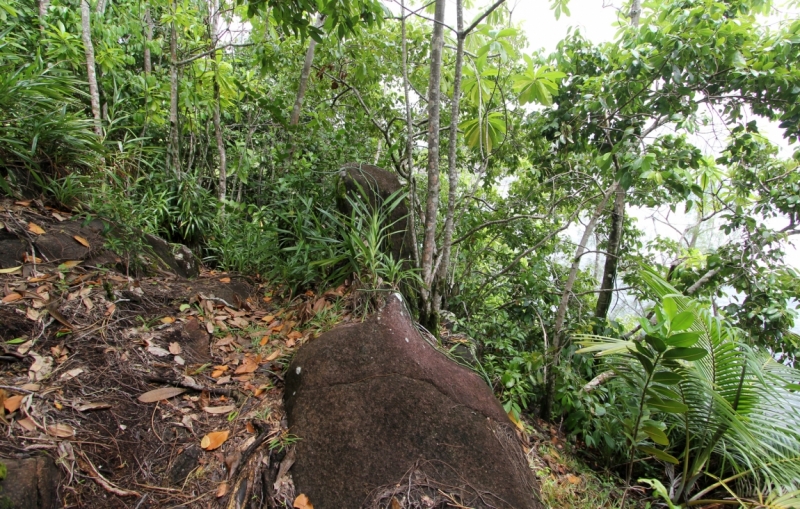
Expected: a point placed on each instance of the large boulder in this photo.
(381, 414)
(377, 185)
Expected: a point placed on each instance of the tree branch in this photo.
(212, 50)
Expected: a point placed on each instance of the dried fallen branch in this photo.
(88, 467)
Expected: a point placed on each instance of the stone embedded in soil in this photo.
(184, 463)
(373, 401)
(194, 341)
(59, 243)
(12, 250)
(31, 483)
(179, 259)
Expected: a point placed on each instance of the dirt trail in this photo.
(122, 380)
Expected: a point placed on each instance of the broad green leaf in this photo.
(658, 454)
(646, 363)
(660, 391)
(681, 322)
(667, 378)
(656, 435)
(683, 339)
(687, 354)
(656, 342)
(669, 307)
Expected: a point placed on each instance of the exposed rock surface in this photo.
(179, 258)
(30, 483)
(380, 413)
(378, 185)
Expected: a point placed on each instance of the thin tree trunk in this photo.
(94, 94)
(301, 90)
(428, 317)
(148, 38)
(612, 255)
(617, 223)
(173, 151)
(452, 168)
(566, 294)
(409, 140)
(223, 157)
(100, 8)
(43, 6)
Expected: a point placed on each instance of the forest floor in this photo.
(159, 392)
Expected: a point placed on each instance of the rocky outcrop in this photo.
(381, 414)
(30, 483)
(177, 257)
(377, 185)
(31, 236)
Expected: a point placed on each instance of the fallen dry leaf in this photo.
(274, 355)
(11, 270)
(222, 489)
(180, 361)
(159, 394)
(12, 404)
(249, 365)
(302, 502)
(82, 241)
(59, 216)
(61, 430)
(23, 203)
(175, 348)
(92, 406)
(225, 280)
(573, 479)
(395, 504)
(27, 424)
(216, 410)
(72, 373)
(268, 318)
(35, 228)
(210, 327)
(214, 440)
(11, 297)
(168, 319)
(69, 264)
(158, 351)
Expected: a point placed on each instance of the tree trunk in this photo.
(617, 223)
(301, 90)
(412, 225)
(43, 6)
(452, 168)
(223, 159)
(428, 316)
(94, 93)
(612, 255)
(148, 38)
(173, 150)
(100, 8)
(558, 327)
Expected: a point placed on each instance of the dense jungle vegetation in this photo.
(222, 126)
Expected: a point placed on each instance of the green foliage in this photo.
(706, 402)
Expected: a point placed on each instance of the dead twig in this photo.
(88, 467)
